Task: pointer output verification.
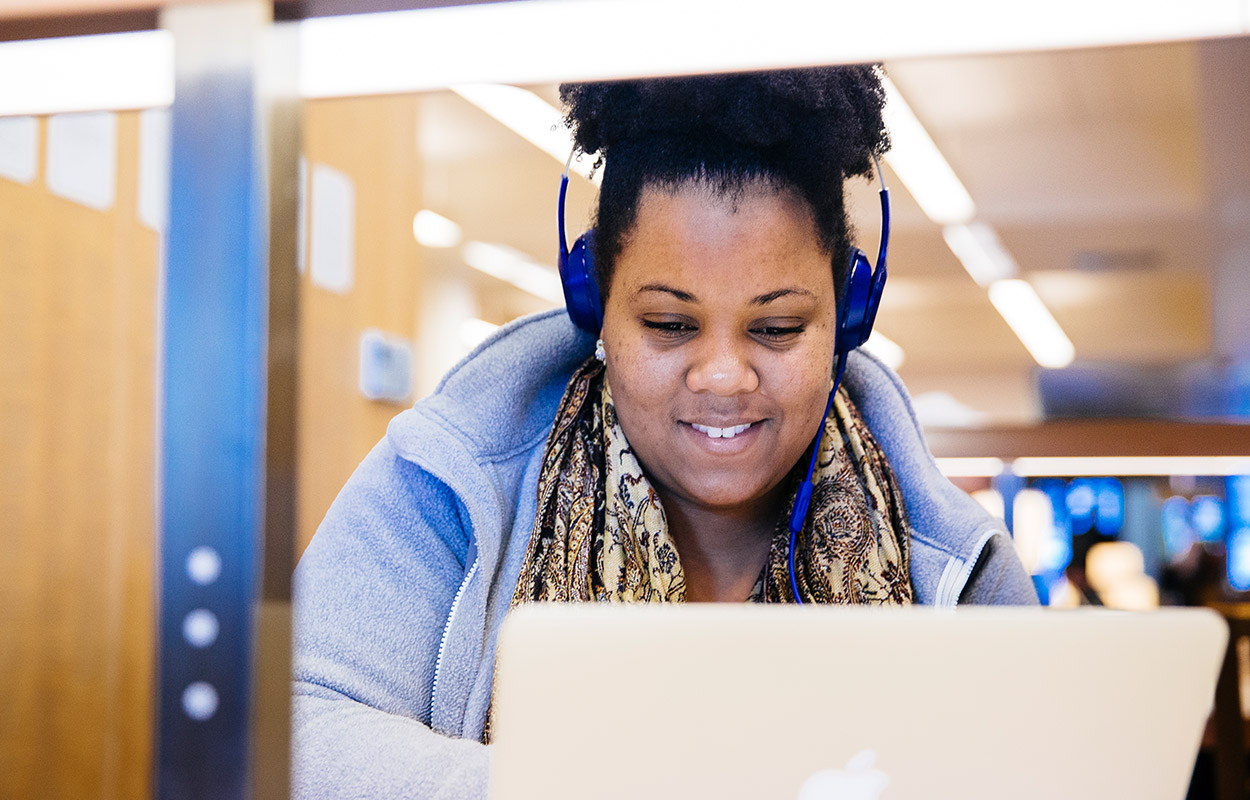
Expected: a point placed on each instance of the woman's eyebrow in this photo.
(765, 299)
(685, 297)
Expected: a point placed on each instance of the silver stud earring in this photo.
(600, 353)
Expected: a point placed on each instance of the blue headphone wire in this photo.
(799, 514)
(804, 499)
(885, 211)
(564, 187)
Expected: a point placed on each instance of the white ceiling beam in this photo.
(87, 73)
(542, 41)
(552, 40)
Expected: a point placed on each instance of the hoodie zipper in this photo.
(442, 645)
(955, 575)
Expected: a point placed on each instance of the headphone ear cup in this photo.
(874, 298)
(581, 286)
(855, 315)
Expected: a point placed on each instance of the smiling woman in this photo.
(720, 326)
(666, 462)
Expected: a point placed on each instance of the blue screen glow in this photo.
(1110, 506)
(1177, 533)
(1081, 501)
(1239, 559)
(1207, 515)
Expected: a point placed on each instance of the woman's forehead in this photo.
(693, 234)
(730, 197)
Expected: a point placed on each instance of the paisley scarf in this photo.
(600, 531)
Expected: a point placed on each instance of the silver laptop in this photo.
(729, 701)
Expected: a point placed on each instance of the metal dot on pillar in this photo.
(203, 565)
(200, 628)
(200, 701)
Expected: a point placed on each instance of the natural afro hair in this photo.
(802, 129)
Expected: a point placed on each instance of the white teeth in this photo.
(720, 433)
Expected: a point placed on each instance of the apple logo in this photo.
(859, 781)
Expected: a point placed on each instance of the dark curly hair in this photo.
(803, 129)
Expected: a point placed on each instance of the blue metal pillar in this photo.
(212, 418)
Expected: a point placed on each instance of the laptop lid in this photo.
(729, 701)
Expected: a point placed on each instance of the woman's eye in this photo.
(668, 327)
(779, 333)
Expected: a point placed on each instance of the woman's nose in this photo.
(722, 369)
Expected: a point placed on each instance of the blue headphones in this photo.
(577, 272)
(856, 313)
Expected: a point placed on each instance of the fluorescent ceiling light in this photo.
(920, 165)
(518, 269)
(885, 349)
(87, 73)
(970, 467)
(530, 117)
(1032, 322)
(435, 230)
(541, 41)
(979, 249)
(1059, 466)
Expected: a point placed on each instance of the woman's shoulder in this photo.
(953, 537)
(499, 401)
(445, 463)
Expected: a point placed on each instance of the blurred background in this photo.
(236, 238)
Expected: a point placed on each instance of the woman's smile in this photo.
(724, 442)
(722, 432)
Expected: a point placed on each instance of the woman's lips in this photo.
(720, 433)
(723, 439)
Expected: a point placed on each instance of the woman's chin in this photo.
(737, 496)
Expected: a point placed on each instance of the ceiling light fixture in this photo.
(513, 266)
(530, 117)
(921, 166)
(1032, 322)
(979, 249)
(435, 230)
(937, 189)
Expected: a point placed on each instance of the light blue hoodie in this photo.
(399, 596)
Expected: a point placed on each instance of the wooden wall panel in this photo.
(77, 469)
(373, 141)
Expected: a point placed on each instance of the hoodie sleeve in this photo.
(372, 595)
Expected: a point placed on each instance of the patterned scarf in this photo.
(600, 531)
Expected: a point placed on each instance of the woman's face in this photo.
(719, 333)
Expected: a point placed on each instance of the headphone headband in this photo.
(861, 294)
